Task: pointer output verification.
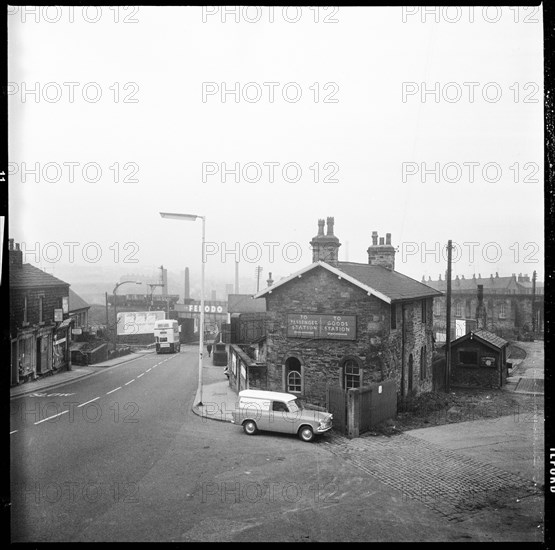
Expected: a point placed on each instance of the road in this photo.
(129, 461)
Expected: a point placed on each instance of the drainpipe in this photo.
(403, 350)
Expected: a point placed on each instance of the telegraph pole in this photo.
(448, 320)
(533, 303)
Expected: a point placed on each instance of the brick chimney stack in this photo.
(381, 254)
(325, 248)
(15, 254)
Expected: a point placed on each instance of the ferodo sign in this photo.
(195, 308)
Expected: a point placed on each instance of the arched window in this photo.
(352, 374)
(293, 376)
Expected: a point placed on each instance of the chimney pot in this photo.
(330, 225)
(17, 246)
(496, 274)
(374, 238)
(381, 241)
(10, 242)
(321, 228)
(388, 238)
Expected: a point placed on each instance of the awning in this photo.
(65, 323)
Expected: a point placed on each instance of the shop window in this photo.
(351, 374)
(468, 357)
(458, 309)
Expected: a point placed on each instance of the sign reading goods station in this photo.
(334, 327)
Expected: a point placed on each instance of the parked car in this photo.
(259, 410)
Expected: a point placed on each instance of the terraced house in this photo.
(342, 324)
(39, 320)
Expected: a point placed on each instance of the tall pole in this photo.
(448, 320)
(201, 328)
(533, 304)
(115, 319)
(107, 323)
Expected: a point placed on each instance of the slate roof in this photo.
(484, 335)
(490, 338)
(387, 285)
(29, 276)
(471, 285)
(76, 302)
(391, 283)
(244, 303)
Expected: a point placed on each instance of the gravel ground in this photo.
(461, 405)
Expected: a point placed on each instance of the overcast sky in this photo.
(354, 125)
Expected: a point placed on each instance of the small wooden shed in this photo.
(479, 360)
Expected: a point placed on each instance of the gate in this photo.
(336, 404)
(377, 403)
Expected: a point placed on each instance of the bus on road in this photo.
(166, 336)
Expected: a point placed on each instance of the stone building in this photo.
(39, 320)
(514, 306)
(344, 324)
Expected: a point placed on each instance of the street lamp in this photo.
(116, 310)
(192, 218)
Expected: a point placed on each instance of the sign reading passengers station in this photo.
(335, 327)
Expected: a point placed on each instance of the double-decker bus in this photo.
(166, 336)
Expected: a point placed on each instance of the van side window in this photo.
(279, 406)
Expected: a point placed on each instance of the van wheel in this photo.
(306, 433)
(250, 427)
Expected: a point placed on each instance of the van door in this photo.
(281, 419)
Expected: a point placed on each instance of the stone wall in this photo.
(376, 348)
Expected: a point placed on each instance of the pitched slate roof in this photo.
(76, 302)
(471, 285)
(376, 280)
(485, 336)
(391, 283)
(29, 276)
(244, 303)
(491, 338)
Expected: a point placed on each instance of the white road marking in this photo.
(13, 432)
(112, 391)
(148, 370)
(142, 374)
(87, 402)
(127, 383)
(54, 416)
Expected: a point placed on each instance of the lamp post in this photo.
(192, 218)
(116, 310)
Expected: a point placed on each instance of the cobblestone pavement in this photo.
(449, 483)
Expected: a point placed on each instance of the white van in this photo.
(166, 336)
(278, 412)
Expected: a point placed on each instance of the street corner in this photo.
(218, 402)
